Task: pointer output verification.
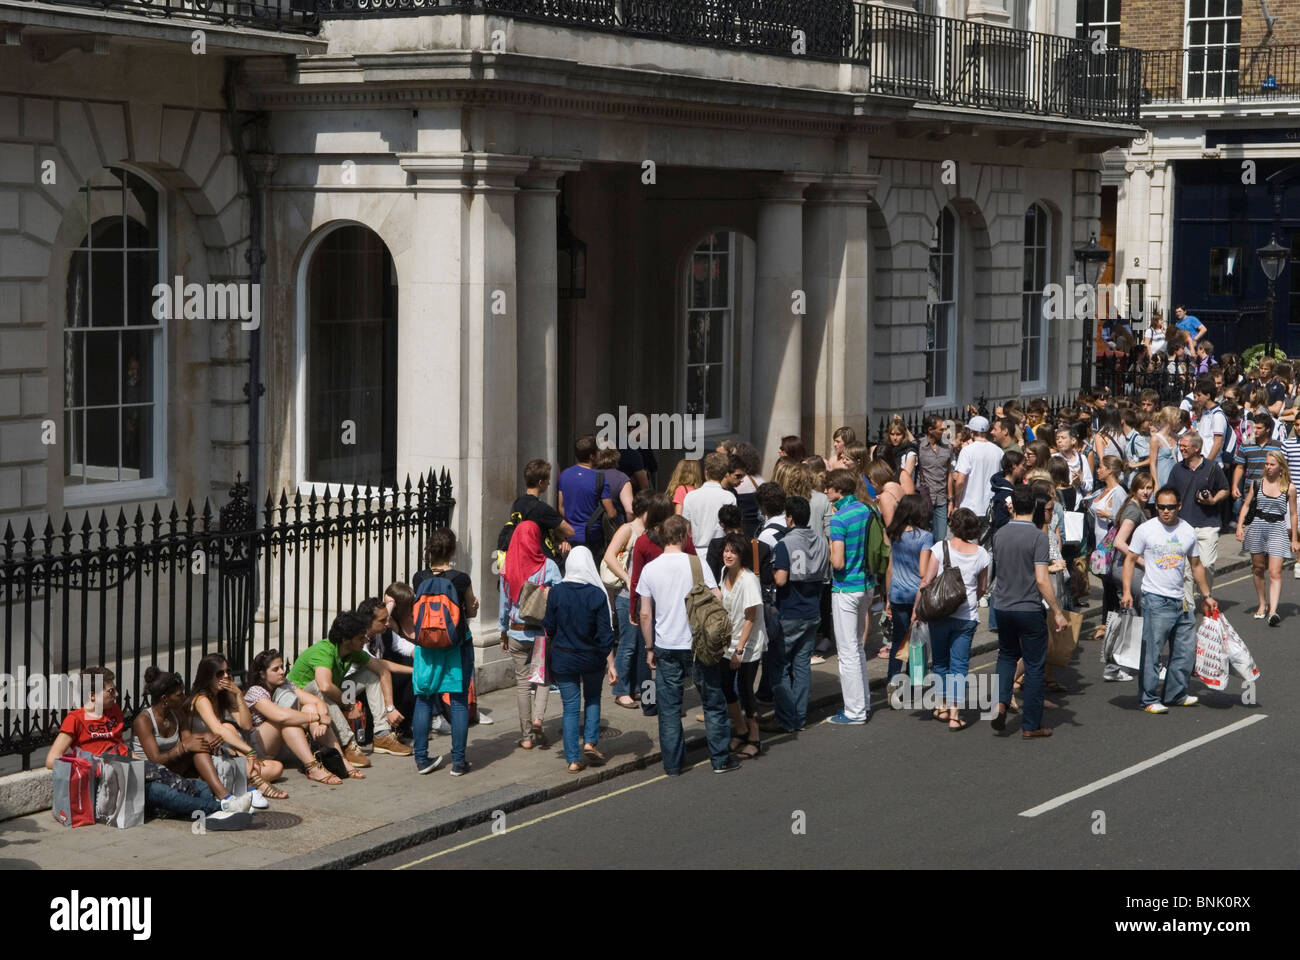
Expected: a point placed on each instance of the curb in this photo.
(405, 834)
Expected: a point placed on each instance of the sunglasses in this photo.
(222, 673)
(1166, 506)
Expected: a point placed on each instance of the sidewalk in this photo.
(321, 827)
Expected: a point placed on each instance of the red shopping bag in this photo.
(74, 792)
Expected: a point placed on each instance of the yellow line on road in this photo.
(535, 820)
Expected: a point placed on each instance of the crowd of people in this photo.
(601, 587)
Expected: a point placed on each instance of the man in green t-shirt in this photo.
(320, 670)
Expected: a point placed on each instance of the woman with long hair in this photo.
(900, 451)
(618, 558)
(525, 563)
(687, 476)
(1273, 536)
(889, 493)
(216, 705)
(1037, 455)
(1156, 336)
(742, 598)
(1164, 443)
(910, 541)
(286, 718)
(1105, 507)
(792, 448)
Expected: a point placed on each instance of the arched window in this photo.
(114, 374)
(1033, 318)
(941, 316)
(710, 326)
(351, 361)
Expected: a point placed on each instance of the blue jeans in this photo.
(162, 796)
(1165, 619)
(1022, 633)
(570, 685)
(625, 655)
(792, 686)
(426, 705)
(901, 611)
(670, 681)
(950, 641)
(939, 523)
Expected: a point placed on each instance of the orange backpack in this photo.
(438, 620)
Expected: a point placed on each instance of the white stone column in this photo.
(776, 391)
(836, 258)
(535, 244)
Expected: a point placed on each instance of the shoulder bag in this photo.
(532, 603)
(943, 595)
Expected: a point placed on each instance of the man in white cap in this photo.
(978, 461)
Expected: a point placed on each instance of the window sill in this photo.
(109, 494)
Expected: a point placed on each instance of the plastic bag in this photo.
(1211, 653)
(1123, 643)
(916, 652)
(1238, 654)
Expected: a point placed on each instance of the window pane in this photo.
(74, 360)
(141, 278)
(137, 366)
(137, 442)
(717, 326)
(699, 281)
(721, 277)
(102, 445)
(713, 392)
(142, 212)
(78, 290)
(697, 337)
(101, 368)
(106, 288)
(696, 387)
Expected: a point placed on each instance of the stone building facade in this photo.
(777, 243)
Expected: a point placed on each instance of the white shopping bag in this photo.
(1211, 653)
(1238, 655)
(1123, 643)
(232, 772)
(128, 804)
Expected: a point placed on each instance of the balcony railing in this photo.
(286, 16)
(930, 59)
(1221, 75)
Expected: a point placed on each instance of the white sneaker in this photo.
(228, 821)
(485, 718)
(1189, 701)
(1297, 571)
(440, 726)
(240, 804)
(259, 801)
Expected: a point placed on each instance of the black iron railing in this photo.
(1221, 74)
(931, 59)
(288, 16)
(1124, 375)
(915, 420)
(126, 593)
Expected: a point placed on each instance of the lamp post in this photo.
(1272, 258)
(1089, 263)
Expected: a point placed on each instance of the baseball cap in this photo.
(978, 425)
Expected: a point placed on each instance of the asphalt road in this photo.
(905, 792)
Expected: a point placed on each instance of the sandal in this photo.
(261, 783)
(1019, 683)
(317, 766)
(744, 754)
(1056, 686)
(938, 714)
(960, 724)
(630, 705)
(577, 767)
(593, 756)
(355, 774)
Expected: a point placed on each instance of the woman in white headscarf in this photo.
(580, 625)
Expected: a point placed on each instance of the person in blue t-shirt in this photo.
(1192, 326)
(578, 499)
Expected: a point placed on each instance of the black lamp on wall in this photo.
(570, 260)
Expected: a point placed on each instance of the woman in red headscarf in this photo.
(526, 563)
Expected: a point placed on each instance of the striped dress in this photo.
(1270, 537)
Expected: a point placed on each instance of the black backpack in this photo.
(600, 525)
(549, 546)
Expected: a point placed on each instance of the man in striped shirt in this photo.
(850, 586)
(1291, 450)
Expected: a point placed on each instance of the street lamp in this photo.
(1272, 258)
(1089, 263)
(570, 259)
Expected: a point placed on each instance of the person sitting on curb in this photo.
(319, 670)
(96, 727)
(165, 739)
(397, 652)
(284, 717)
(213, 689)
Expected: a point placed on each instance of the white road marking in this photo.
(1139, 767)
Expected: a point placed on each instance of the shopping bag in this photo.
(917, 654)
(1239, 657)
(539, 671)
(1061, 643)
(128, 774)
(74, 792)
(108, 791)
(1123, 643)
(1211, 653)
(232, 772)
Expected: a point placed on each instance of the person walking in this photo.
(526, 563)
(1168, 546)
(1022, 588)
(662, 587)
(700, 506)
(909, 541)
(849, 589)
(950, 636)
(978, 461)
(1164, 444)
(1135, 511)
(579, 622)
(1273, 536)
(1201, 487)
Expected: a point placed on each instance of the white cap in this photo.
(978, 425)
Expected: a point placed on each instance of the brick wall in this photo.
(1158, 24)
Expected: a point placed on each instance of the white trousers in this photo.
(849, 614)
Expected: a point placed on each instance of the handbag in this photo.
(532, 604)
(332, 761)
(943, 595)
(1103, 558)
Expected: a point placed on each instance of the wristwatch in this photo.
(389, 708)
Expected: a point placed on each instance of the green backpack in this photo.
(877, 560)
(710, 625)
